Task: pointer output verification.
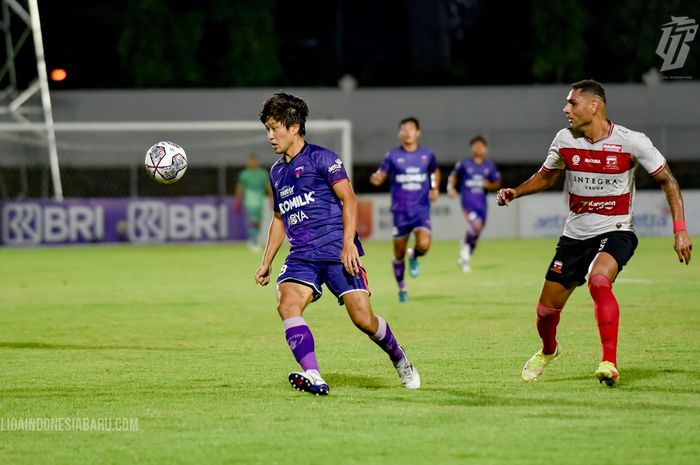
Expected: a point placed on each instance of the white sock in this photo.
(465, 252)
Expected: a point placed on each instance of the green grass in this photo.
(180, 337)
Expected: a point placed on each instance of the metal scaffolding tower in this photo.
(14, 101)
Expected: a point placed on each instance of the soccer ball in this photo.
(166, 162)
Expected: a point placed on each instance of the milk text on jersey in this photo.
(412, 179)
(297, 201)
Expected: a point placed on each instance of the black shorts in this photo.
(573, 257)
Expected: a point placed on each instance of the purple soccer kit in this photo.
(313, 219)
(470, 177)
(410, 178)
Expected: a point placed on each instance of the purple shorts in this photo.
(316, 273)
(405, 228)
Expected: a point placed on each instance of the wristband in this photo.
(678, 226)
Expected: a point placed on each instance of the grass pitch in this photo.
(180, 338)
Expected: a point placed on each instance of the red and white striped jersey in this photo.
(600, 178)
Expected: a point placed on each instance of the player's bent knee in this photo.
(288, 308)
(599, 281)
(545, 311)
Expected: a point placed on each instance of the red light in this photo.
(58, 74)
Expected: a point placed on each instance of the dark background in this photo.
(219, 43)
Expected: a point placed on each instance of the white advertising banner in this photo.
(541, 215)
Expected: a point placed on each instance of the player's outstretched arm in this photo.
(275, 238)
(377, 178)
(540, 181)
(350, 256)
(682, 244)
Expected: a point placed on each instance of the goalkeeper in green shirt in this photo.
(251, 191)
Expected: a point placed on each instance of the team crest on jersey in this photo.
(298, 171)
(611, 162)
(612, 148)
(400, 160)
(424, 159)
(575, 159)
(556, 266)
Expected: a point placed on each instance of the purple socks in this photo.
(385, 339)
(399, 269)
(301, 341)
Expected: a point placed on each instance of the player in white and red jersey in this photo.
(600, 159)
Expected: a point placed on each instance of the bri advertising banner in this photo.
(141, 221)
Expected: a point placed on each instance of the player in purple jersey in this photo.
(315, 207)
(414, 177)
(471, 178)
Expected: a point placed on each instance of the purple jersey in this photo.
(470, 178)
(311, 212)
(409, 173)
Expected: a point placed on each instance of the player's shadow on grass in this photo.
(360, 381)
(48, 346)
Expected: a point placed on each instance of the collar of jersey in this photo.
(301, 152)
(612, 126)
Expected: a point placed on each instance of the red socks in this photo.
(547, 321)
(607, 314)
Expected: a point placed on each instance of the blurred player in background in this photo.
(600, 160)
(315, 206)
(415, 178)
(471, 178)
(251, 191)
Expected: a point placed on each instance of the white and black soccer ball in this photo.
(166, 162)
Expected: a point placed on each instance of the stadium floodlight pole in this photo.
(45, 99)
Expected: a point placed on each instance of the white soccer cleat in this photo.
(537, 363)
(465, 266)
(309, 381)
(407, 373)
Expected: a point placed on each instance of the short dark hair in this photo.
(287, 109)
(478, 138)
(590, 86)
(410, 119)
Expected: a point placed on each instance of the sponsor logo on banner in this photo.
(34, 223)
(150, 221)
(74, 221)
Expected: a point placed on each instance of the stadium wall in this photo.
(542, 215)
(212, 219)
(519, 121)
